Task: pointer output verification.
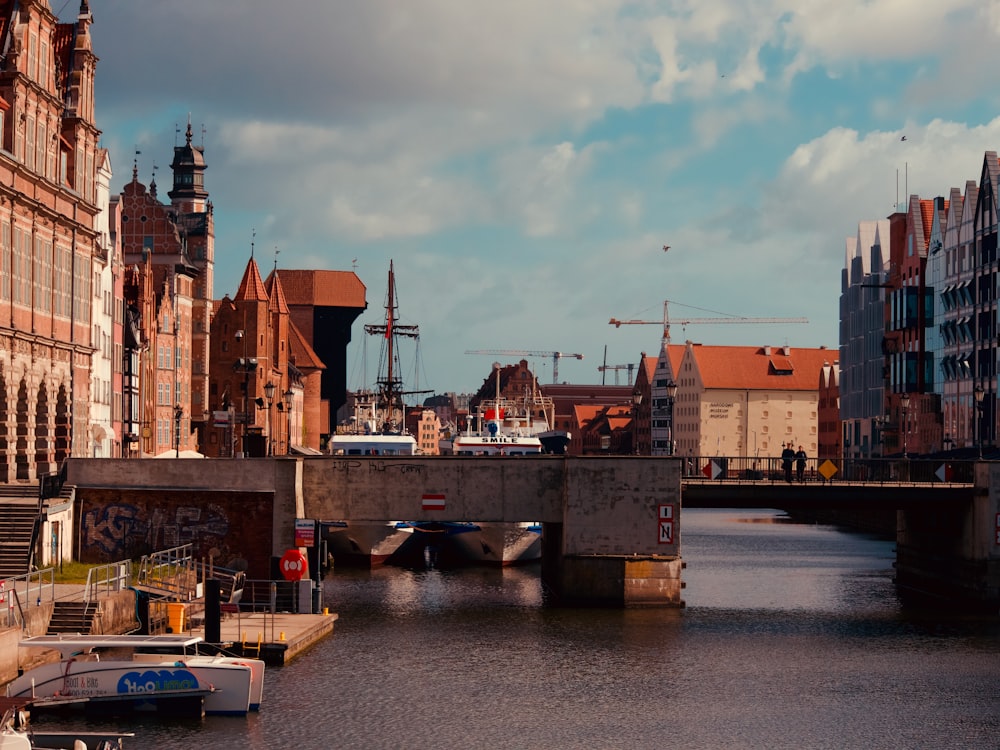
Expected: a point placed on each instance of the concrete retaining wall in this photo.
(952, 552)
(237, 510)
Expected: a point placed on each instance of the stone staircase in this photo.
(73, 617)
(18, 513)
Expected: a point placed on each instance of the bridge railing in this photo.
(868, 470)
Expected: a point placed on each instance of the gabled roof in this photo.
(301, 352)
(584, 413)
(648, 364)
(323, 288)
(675, 353)
(759, 368)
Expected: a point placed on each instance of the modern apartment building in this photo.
(862, 339)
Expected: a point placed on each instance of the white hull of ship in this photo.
(217, 685)
(500, 544)
(357, 542)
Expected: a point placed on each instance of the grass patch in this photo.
(72, 572)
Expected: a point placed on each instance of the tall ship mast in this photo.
(388, 395)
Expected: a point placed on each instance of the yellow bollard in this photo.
(281, 636)
(326, 610)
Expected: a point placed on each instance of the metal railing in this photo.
(261, 595)
(107, 579)
(20, 592)
(823, 470)
(170, 571)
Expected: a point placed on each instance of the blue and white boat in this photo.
(127, 673)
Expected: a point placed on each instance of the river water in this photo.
(792, 637)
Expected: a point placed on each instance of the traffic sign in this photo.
(712, 470)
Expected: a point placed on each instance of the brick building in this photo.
(49, 238)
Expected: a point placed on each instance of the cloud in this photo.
(524, 162)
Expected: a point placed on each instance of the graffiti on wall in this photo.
(123, 530)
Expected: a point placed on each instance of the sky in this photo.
(523, 164)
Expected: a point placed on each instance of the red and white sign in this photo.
(944, 473)
(293, 565)
(305, 532)
(711, 470)
(432, 501)
(666, 524)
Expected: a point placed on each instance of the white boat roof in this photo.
(71, 642)
(372, 438)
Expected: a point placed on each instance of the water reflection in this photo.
(792, 638)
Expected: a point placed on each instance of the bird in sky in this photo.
(666, 247)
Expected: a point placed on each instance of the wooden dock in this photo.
(276, 638)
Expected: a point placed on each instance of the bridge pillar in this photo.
(619, 542)
(616, 580)
(952, 552)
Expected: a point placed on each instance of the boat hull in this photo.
(501, 544)
(460, 543)
(362, 544)
(161, 684)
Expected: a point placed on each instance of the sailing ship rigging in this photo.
(387, 399)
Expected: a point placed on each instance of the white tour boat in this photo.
(503, 426)
(110, 673)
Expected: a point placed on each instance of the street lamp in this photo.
(288, 396)
(904, 402)
(979, 394)
(269, 395)
(178, 413)
(636, 401)
(878, 424)
(671, 396)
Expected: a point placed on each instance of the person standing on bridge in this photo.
(787, 456)
(800, 464)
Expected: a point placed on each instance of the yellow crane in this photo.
(699, 321)
(556, 356)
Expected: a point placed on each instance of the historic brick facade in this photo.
(48, 236)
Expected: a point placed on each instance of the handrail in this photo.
(108, 578)
(772, 470)
(36, 586)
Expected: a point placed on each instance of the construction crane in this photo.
(616, 368)
(556, 356)
(699, 321)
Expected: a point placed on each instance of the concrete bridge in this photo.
(611, 525)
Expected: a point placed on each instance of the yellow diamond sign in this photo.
(828, 469)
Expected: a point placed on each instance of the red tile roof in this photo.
(303, 355)
(649, 365)
(758, 368)
(276, 292)
(675, 353)
(323, 288)
(251, 287)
